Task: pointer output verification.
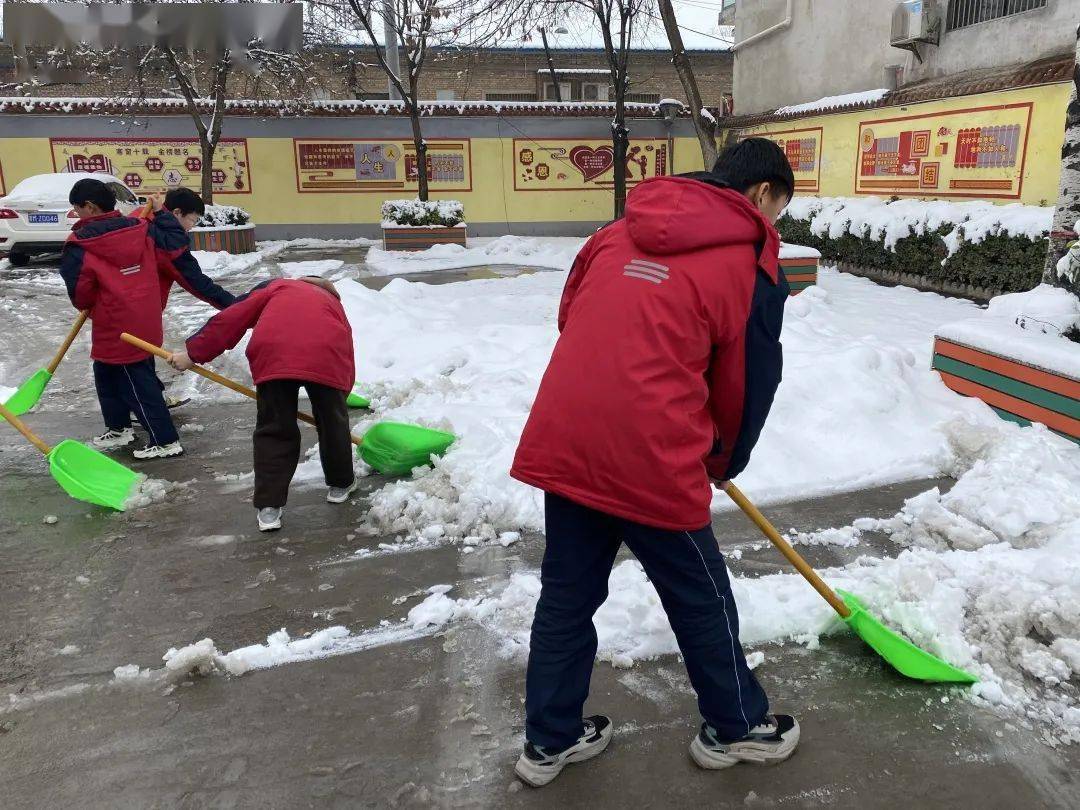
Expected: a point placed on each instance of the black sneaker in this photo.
(773, 741)
(537, 766)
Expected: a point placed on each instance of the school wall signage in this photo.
(379, 165)
(155, 165)
(570, 164)
(977, 152)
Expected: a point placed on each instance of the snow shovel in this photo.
(29, 393)
(82, 472)
(904, 656)
(394, 442)
(355, 400)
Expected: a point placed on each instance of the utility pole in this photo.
(390, 46)
(551, 64)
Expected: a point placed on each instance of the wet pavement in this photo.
(428, 722)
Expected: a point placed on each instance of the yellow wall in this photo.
(1031, 119)
(494, 165)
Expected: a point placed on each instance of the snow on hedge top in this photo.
(445, 213)
(1025, 327)
(889, 222)
(220, 216)
(47, 188)
(831, 102)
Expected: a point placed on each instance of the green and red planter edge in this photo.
(1015, 388)
(421, 237)
(799, 265)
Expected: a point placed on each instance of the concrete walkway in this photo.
(434, 722)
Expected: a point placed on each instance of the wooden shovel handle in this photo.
(71, 335)
(793, 557)
(18, 424)
(214, 376)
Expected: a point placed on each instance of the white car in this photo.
(36, 216)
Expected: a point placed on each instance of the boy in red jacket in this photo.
(300, 338)
(121, 269)
(665, 369)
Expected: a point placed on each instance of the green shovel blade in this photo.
(26, 396)
(395, 448)
(87, 475)
(354, 400)
(904, 656)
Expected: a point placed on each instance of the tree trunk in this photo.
(421, 151)
(1067, 210)
(620, 142)
(704, 127)
(208, 150)
(551, 67)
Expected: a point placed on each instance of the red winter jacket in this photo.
(121, 269)
(299, 332)
(668, 360)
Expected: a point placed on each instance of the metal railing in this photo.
(963, 13)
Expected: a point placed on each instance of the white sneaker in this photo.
(270, 518)
(340, 494)
(159, 451)
(773, 741)
(114, 438)
(537, 766)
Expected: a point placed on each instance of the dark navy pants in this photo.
(689, 574)
(133, 388)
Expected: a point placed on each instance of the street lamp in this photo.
(551, 64)
(670, 108)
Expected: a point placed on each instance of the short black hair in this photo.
(186, 200)
(89, 190)
(753, 161)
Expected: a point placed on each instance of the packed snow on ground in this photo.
(1026, 327)
(550, 252)
(217, 263)
(325, 268)
(859, 404)
(830, 102)
(890, 221)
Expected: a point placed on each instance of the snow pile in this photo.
(325, 268)
(422, 213)
(1026, 327)
(148, 491)
(832, 102)
(49, 189)
(6, 392)
(217, 263)
(553, 252)
(468, 357)
(888, 222)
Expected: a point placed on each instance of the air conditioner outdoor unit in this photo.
(914, 22)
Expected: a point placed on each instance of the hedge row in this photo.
(999, 262)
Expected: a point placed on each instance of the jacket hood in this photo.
(119, 240)
(680, 214)
(324, 284)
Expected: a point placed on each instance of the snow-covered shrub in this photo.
(220, 216)
(445, 213)
(970, 244)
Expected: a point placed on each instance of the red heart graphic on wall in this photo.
(592, 162)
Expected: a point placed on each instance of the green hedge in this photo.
(1006, 263)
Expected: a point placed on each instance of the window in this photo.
(510, 96)
(643, 98)
(963, 13)
(445, 95)
(594, 92)
(123, 193)
(564, 89)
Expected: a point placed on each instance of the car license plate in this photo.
(43, 219)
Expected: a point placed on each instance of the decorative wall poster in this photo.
(803, 150)
(568, 164)
(978, 152)
(376, 164)
(155, 165)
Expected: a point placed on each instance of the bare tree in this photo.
(704, 122)
(132, 76)
(1067, 210)
(425, 29)
(619, 21)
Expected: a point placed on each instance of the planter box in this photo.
(418, 238)
(1016, 389)
(799, 265)
(231, 239)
